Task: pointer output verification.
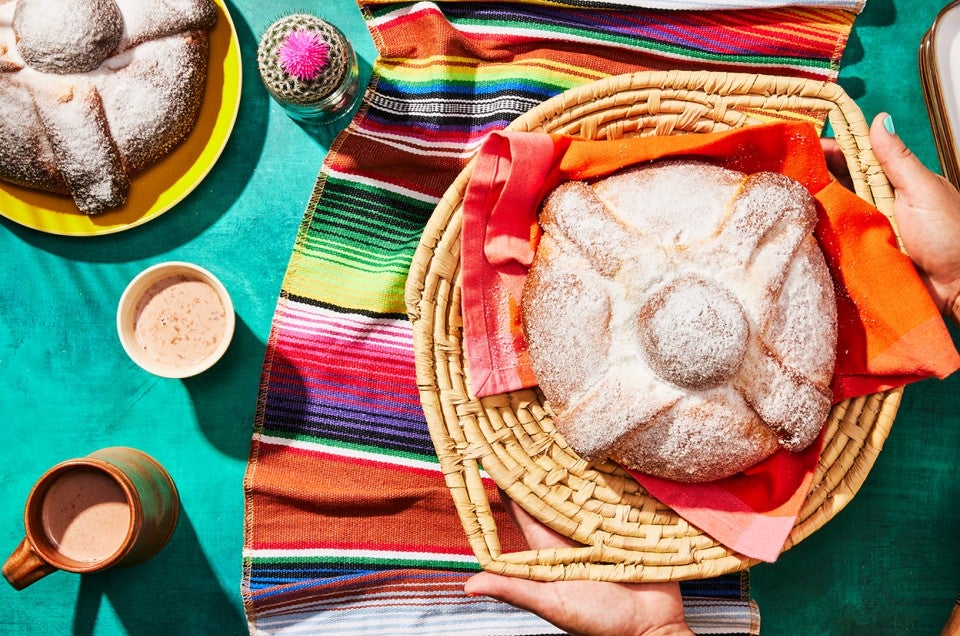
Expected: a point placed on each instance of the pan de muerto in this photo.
(94, 91)
(681, 319)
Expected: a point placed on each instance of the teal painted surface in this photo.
(67, 388)
(887, 564)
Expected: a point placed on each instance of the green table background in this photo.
(887, 564)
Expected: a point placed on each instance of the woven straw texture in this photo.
(628, 535)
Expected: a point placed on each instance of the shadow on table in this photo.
(199, 210)
(325, 134)
(877, 13)
(176, 592)
(227, 422)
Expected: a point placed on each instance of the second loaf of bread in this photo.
(93, 92)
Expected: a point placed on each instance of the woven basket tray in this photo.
(630, 535)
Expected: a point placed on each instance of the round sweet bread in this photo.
(681, 318)
(94, 91)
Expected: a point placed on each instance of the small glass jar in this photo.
(309, 67)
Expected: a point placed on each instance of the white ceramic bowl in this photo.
(161, 300)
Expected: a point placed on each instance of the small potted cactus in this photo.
(309, 67)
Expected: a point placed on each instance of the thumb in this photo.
(522, 593)
(906, 172)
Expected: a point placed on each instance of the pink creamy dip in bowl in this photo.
(175, 319)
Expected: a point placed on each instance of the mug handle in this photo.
(25, 566)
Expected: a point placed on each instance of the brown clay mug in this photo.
(116, 506)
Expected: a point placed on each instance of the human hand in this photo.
(926, 208)
(583, 607)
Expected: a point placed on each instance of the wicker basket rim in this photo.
(503, 433)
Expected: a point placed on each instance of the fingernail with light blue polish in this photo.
(888, 124)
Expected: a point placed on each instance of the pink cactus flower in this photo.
(304, 55)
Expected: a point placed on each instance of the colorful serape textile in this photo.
(346, 507)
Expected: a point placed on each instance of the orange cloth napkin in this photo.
(889, 330)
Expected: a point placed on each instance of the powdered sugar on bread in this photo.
(138, 69)
(708, 335)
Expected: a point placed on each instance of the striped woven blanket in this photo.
(349, 527)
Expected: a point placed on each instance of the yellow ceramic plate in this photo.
(168, 181)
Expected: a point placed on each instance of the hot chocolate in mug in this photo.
(116, 506)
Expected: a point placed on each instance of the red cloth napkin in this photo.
(889, 330)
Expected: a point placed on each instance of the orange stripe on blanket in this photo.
(341, 496)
